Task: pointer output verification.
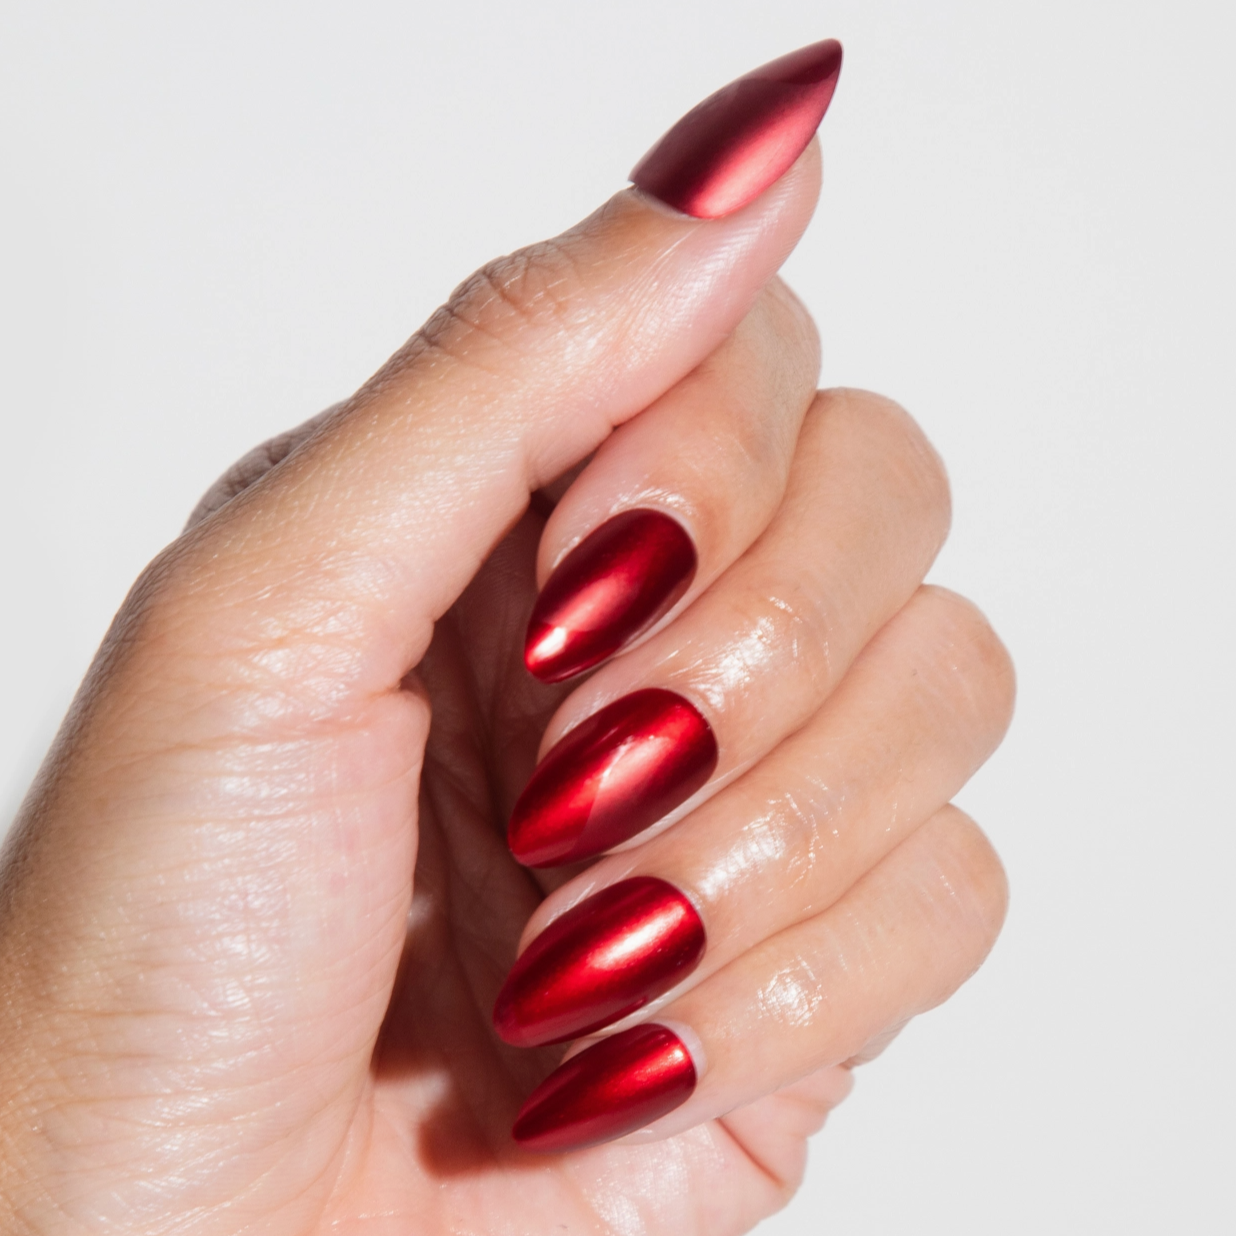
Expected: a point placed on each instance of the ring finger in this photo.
(898, 943)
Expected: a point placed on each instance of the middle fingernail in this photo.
(612, 776)
(600, 961)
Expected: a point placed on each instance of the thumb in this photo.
(529, 366)
(383, 517)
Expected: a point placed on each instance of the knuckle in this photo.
(792, 324)
(254, 465)
(969, 892)
(795, 621)
(972, 664)
(917, 468)
(509, 298)
(768, 631)
(756, 385)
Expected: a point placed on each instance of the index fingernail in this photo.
(617, 582)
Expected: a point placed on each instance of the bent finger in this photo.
(924, 705)
(899, 943)
(660, 728)
(676, 495)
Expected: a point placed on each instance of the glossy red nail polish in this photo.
(611, 777)
(600, 961)
(614, 584)
(728, 150)
(613, 1087)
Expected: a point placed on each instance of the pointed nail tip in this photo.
(512, 1036)
(525, 1038)
(642, 1090)
(536, 856)
(551, 674)
(529, 846)
(540, 664)
(554, 667)
(813, 63)
(517, 1030)
(705, 167)
(505, 1023)
(539, 1142)
(534, 1143)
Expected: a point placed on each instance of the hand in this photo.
(260, 904)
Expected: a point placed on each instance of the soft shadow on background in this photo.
(217, 219)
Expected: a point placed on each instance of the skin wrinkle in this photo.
(618, 1212)
(788, 837)
(965, 908)
(267, 681)
(642, 1187)
(809, 819)
(628, 335)
(760, 844)
(525, 287)
(722, 677)
(164, 1150)
(179, 1105)
(792, 996)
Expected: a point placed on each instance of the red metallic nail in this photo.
(614, 584)
(600, 961)
(614, 1087)
(611, 777)
(728, 150)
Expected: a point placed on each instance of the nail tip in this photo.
(528, 852)
(547, 653)
(612, 1088)
(739, 141)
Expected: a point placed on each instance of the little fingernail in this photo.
(611, 777)
(614, 584)
(611, 1088)
(726, 151)
(599, 962)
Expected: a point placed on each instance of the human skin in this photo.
(259, 903)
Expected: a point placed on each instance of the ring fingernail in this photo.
(614, 584)
(611, 777)
(611, 1088)
(600, 961)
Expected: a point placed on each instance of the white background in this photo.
(216, 219)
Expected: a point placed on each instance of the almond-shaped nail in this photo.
(599, 962)
(614, 584)
(615, 774)
(726, 151)
(611, 1088)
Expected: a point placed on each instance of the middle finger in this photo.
(661, 728)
